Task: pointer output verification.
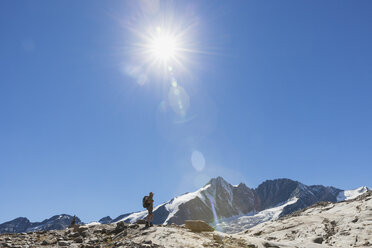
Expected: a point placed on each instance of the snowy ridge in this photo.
(171, 206)
(351, 194)
(135, 216)
(237, 224)
(48, 223)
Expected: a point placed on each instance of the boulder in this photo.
(198, 226)
(82, 229)
(73, 235)
(318, 240)
(49, 241)
(120, 226)
(141, 221)
(63, 243)
(218, 238)
(79, 240)
(76, 228)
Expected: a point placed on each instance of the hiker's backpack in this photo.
(145, 204)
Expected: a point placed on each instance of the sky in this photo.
(91, 120)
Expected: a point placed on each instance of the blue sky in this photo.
(272, 88)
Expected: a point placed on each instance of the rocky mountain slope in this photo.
(343, 224)
(124, 235)
(22, 224)
(227, 207)
(237, 224)
(218, 202)
(217, 196)
(326, 224)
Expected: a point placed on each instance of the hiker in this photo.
(150, 206)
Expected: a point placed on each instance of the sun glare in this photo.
(163, 47)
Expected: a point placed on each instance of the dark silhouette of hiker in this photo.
(150, 206)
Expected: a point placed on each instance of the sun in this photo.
(164, 47)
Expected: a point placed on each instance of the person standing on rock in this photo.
(150, 206)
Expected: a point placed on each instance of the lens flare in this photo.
(216, 221)
(198, 160)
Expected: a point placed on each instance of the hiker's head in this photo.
(151, 194)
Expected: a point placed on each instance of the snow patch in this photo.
(94, 223)
(239, 223)
(351, 194)
(174, 204)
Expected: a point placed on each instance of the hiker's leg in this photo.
(148, 217)
(152, 216)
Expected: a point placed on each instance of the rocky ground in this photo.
(126, 235)
(343, 224)
(326, 224)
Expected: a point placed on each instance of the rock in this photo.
(49, 241)
(198, 226)
(79, 240)
(121, 234)
(218, 238)
(74, 235)
(141, 221)
(98, 231)
(318, 240)
(89, 246)
(93, 241)
(63, 243)
(269, 245)
(82, 229)
(85, 234)
(120, 226)
(134, 226)
(76, 228)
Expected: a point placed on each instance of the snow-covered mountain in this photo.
(230, 208)
(325, 224)
(22, 224)
(343, 224)
(237, 224)
(216, 199)
(351, 194)
(234, 208)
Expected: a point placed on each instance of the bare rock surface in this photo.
(325, 224)
(198, 226)
(124, 235)
(344, 224)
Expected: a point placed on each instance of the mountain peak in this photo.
(218, 181)
(278, 181)
(218, 184)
